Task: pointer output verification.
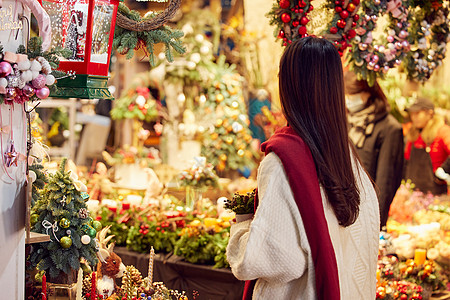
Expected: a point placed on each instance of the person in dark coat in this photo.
(427, 149)
(377, 136)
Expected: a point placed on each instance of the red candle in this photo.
(44, 287)
(93, 287)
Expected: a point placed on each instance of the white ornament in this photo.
(24, 65)
(35, 66)
(199, 38)
(34, 74)
(85, 239)
(27, 76)
(187, 29)
(3, 82)
(50, 79)
(191, 65)
(140, 101)
(32, 176)
(204, 50)
(181, 98)
(161, 56)
(195, 57)
(237, 127)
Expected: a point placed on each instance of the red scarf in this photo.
(301, 172)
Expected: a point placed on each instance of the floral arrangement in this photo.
(199, 175)
(136, 103)
(27, 74)
(242, 204)
(402, 290)
(145, 157)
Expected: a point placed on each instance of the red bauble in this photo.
(336, 2)
(295, 23)
(341, 23)
(300, 10)
(281, 34)
(351, 7)
(338, 9)
(286, 18)
(284, 4)
(333, 30)
(301, 3)
(356, 2)
(353, 24)
(356, 18)
(304, 21)
(310, 8)
(344, 14)
(302, 30)
(351, 33)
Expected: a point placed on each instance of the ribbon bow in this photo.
(393, 8)
(47, 225)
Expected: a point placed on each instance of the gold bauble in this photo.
(219, 98)
(223, 157)
(240, 153)
(219, 122)
(229, 140)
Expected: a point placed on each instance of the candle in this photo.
(420, 256)
(79, 295)
(93, 287)
(150, 266)
(44, 287)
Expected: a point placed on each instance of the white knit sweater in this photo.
(274, 248)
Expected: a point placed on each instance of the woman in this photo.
(314, 234)
(377, 136)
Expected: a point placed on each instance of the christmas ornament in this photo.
(83, 213)
(66, 242)
(97, 225)
(91, 232)
(85, 239)
(5, 69)
(39, 81)
(284, 4)
(43, 93)
(34, 218)
(28, 90)
(64, 223)
(285, 17)
(10, 156)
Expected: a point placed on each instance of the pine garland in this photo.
(126, 41)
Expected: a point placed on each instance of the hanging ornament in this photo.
(5, 69)
(284, 4)
(285, 17)
(64, 223)
(10, 156)
(91, 232)
(66, 242)
(85, 239)
(34, 218)
(97, 225)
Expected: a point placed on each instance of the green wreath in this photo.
(429, 34)
(370, 60)
(133, 32)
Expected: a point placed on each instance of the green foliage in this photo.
(129, 106)
(162, 236)
(126, 41)
(120, 223)
(60, 199)
(39, 183)
(242, 204)
(204, 248)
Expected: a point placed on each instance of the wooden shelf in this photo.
(37, 238)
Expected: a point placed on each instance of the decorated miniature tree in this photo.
(228, 145)
(62, 214)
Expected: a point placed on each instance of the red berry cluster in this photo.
(297, 16)
(345, 16)
(88, 296)
(144, 229)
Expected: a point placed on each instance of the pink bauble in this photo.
(390, 39)
(5, 69)
(28, 90)
(39, 81)
(10, 93)
(43, 93)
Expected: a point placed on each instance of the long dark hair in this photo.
(353, 85)
(313, 102)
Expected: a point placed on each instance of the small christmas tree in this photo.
(62, 214)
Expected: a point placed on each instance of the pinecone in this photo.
(87, 284)
(83, 213)
(132, 277)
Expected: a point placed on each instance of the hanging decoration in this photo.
(429, 34)
(134, 32)
(370, 59)
(28, 74)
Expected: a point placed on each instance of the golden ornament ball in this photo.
(219, 97)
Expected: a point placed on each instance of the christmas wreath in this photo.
(370, 59)
(429, 33)
(134, 32)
